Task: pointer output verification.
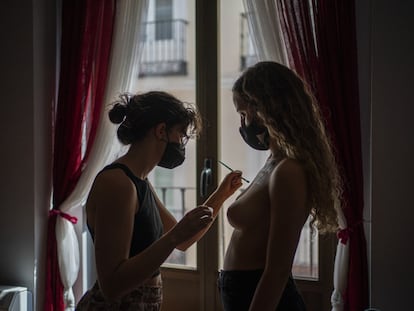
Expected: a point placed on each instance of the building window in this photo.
(248, 55)
(163, 17)
(165, 47)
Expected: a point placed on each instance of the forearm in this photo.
(134, 271)
(215, 201)
(227, 187)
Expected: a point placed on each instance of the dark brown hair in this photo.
(138, 113)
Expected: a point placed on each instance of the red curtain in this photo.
(320, 36)
(86, 37)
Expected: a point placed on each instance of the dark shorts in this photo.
(237, 289)
(144, 298)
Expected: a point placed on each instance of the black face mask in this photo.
(250, 132)
(173, 156)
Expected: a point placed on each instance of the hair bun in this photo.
(117, 113)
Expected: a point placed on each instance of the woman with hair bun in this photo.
(300, 178)
(133, 232)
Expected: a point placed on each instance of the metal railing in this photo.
(178, 210)
(176, 199)
(164, 50)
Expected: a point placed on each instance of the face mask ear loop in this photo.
(243, 121)
(168, 138)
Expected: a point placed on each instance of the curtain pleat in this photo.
(84, 58)
(54, 287)
(262, 18)
(123, 69)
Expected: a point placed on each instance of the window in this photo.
(168, 63)
(163, 17)
(160, 65)
(165, 47)
(247, 54)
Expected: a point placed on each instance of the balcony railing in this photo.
(248, 55)
(176, 196)
(164, 51)
(178, 209)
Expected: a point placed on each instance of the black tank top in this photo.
(147, 222)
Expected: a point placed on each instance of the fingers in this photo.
(236, 179)
(192, 222)
(205, 211)
(202, 216)
(201, 212)
(235, 175)
(205, 207)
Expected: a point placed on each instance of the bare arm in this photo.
(288, 213)
(231, 182)
(115, 200)
(228, 186)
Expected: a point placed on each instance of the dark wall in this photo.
(386, 65)
(27, 75)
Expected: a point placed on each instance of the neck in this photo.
(139, 162)
(276, 151)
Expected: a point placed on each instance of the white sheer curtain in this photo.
(341, 268)
(264, 26)
(126, 48)
(265, 29)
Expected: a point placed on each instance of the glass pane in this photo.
(164, 18)
(168, 65)
(305, 264)
(236, 54)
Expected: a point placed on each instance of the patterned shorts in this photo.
(143, 298)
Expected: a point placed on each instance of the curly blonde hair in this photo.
(293, 119)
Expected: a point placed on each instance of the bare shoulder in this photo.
(114, 180)
(109, 188)
(288, 184)
(289, 169)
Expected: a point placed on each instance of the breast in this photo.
(250, 209)
(249, 215)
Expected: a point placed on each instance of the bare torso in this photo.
(249, 215)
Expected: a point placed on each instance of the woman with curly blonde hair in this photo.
(300, 178)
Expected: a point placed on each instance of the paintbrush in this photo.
(228, 167)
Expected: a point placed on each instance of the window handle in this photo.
(206, 177)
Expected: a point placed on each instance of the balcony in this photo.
(164, 50)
